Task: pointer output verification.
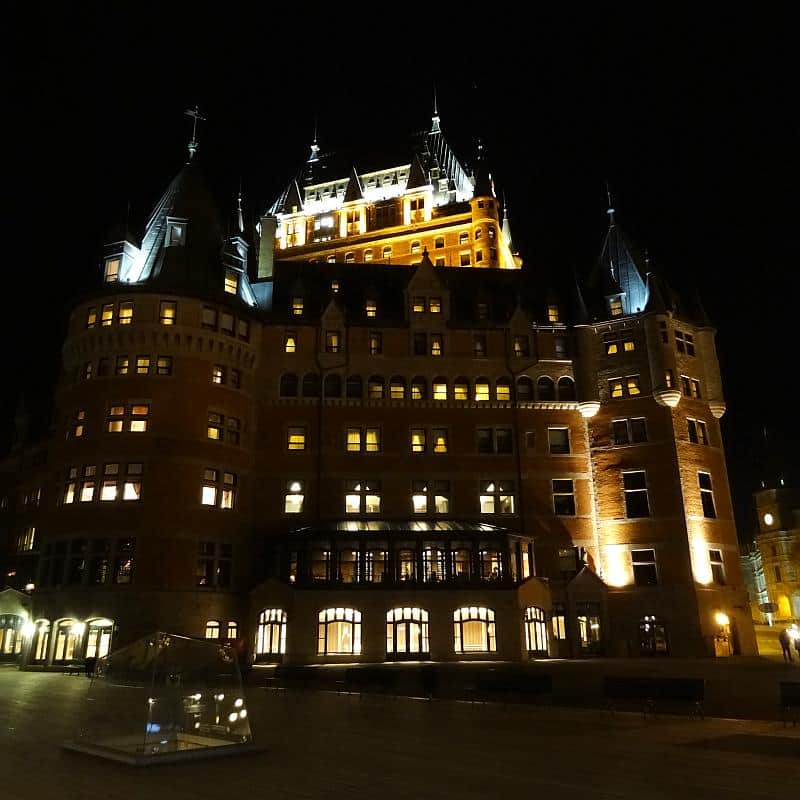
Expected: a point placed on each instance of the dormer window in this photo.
(111, 274)
(231, 281)
(615, 306)
(552, 313)
(176, 234)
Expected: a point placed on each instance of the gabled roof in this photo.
(417, 176)
(354, 190)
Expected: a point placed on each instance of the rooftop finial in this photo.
(195, 115)
(435, 128)
(239, 215)
(611, 209)
(314, 146)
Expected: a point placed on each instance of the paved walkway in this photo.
(323, 745)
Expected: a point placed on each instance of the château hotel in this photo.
(363, 431)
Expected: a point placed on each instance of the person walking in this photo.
(785, 639)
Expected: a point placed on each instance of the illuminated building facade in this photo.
(345, 441)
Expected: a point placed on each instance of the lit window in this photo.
(387, 252)
(612, 348)
(142, 365)
(215, 428)
(138, 418)
(461, 389)
(228, 495)
(175, 234)
(296, 438)
(397, 388)
(371, 308)
(558, 439)
(503, 390)
(290, 342)
(706, 495)
(111, 273)
(439, 436)
(354, 440)
(132, 485)
(87, 485)
(416, 247)
(632, 385)
(521, 347)
(615, 306)
(479, 345)
(339, 632)
(297, 306)
(122, 365)
(463, 237)
(212, 629)
(77, 427)
(233, 630)
(644, 567)
(535, 631)
(164, 365)
(375, 343)
(125, 313)
(115, 422)
(293, 498)
(332, 341)
(419, 389)
(375, 388)
(439, 389)
(363, 497)
(349, 258)
(564, 497)
(91, 317)
(629, 345)
(168, 312)
(88, 371)
(635, 490)
(107, 315)
(497, 497)
(435, 305)
(368, 255)
(418, 305)
(418, 440)
(552, 313)
(407, 632)
(271, 633)
(218, 374)
(481, 390)
(436, 344)
(231, 281)
(474, 630)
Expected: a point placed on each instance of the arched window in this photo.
(375, 387)
(311, 385)
(349, 258)
(481, 390)
(397, 388)
(212, 629)
(419, 388)
(69, 638)
(368, 254)
(652, 636)
(438, 243)
(407, 633)
(566, 388)
(433, 565)
(524, 389)
(474, 630)
(535, 631)
(333, 385)
(461, 389)
(545, 389)
(416, 247)
(387, 251)
(339, 632)
(289, 385)
(41, 643)
(98, 638)
(10, 635)
(440, 388)
(502, 389)
(232, 631)
(354, 387)
(270, 634)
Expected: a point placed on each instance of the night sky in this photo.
(689, 119)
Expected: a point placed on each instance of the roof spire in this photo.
(239, 216)
(611, 209)
(314, 146)
(195, 115)
(435, 127)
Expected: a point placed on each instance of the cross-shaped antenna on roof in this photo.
(195, 115)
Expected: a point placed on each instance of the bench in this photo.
(511, 687)
(653, 694)
(790, 702)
